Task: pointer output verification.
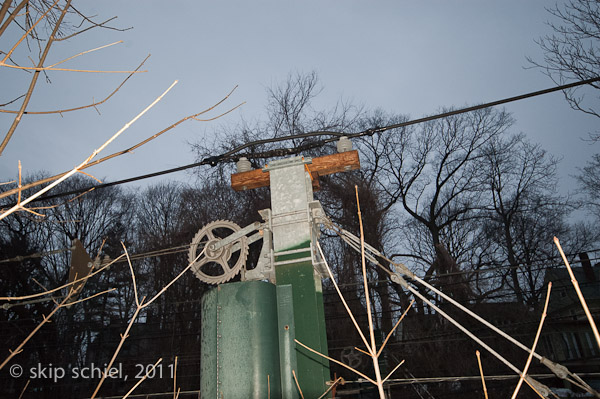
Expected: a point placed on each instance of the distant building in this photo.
(567, 336)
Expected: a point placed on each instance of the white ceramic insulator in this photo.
(243, 165)
(344, 144)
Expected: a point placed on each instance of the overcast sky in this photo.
(405, 57)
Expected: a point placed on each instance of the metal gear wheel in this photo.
(217, 266)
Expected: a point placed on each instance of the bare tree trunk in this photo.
(514, 264)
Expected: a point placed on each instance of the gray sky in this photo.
(404, 57)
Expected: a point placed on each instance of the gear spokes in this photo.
(219, 263)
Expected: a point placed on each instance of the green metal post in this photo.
(287, 346)
(312, 370)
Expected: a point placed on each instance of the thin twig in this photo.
(142, 379)
(19, 185)
(93, 104)
(392, 372)
(40, 284)
(12, 101)
(44, 69)
(97, 258)
(175, 390)
(24, 389)
(84, 52)
(220, 115)
(362, 351)
(90, 176)
(337, 381)
(95, 25)
(535, 341)
(297, 384)
(395, 326)
(579, 293)
(93, 296)
(368, 301)
(481, 372)
(137, 302)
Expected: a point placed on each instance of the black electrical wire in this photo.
(231, 154)
(36, 255)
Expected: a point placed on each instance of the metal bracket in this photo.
(264, 269)
(284, 163)
(238, 234)
(316, 216)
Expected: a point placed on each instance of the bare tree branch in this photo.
(62, 111)
(35, 76)
(86, 161)
(132, 148)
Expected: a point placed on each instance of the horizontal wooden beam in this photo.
(334, 163)
(320, 166)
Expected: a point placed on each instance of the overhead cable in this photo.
(36, 255)
(232, 155)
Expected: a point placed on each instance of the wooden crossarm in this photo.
(320, 166)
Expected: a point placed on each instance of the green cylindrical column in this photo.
(240, 345)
